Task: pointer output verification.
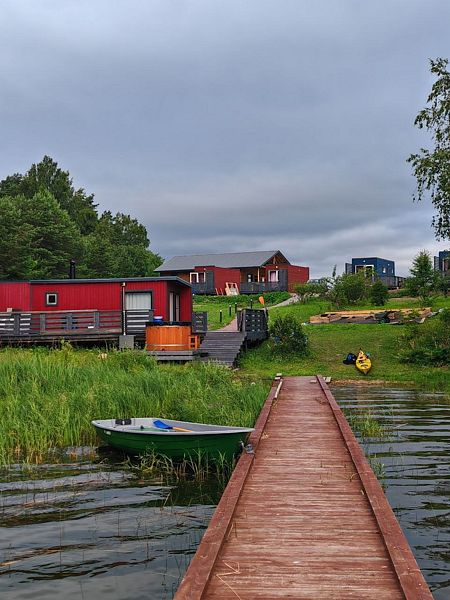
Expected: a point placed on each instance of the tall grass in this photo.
(49, 397)
(198, 467)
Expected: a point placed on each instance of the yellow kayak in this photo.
(363, 362)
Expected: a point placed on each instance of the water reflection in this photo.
(87, 530)
(91, 529)
(414, 460)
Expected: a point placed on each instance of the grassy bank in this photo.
(49, 397)
(329, 344)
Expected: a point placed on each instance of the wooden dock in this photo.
(303, 515)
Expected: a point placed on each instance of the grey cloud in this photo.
(231, 126)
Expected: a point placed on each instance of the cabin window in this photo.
(138, 300)
(197, 277)
(51, 299)
(273, 276)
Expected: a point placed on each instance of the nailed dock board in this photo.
(304, 517)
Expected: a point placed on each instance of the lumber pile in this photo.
(392, 316)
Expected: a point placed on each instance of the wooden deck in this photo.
(303, 516)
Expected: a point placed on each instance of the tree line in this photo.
(45, 223)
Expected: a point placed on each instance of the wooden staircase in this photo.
(222, 346)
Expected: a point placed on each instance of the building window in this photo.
(368, 270)
(51, 299)
(197, 277)
(138, 300)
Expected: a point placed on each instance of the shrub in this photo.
(349, 288)
(424, 279)
(306, 291)
(379, 293)
(275, 297)
(399, 293)
(443, 283)
(287, 336)
(428, 343)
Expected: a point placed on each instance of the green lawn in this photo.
(227, 305)
(215, 321)
(213, 305)
(329, 344)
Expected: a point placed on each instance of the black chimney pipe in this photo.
(72, 269)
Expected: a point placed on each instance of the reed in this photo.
(197, 467)
(378, 468)
(365, 424)
(49, 397)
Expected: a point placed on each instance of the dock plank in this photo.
(304, 516)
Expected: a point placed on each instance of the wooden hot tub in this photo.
(170, 336)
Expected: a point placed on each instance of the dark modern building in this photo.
(442, 262)
(376, 267)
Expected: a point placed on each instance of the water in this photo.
(86, 528)
(413, 458)
(93, 530)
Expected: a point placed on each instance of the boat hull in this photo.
(363, 363)
(140, 438)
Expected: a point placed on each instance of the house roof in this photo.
(98, 280)
(229, 260)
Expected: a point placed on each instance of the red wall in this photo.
(296, 274)
(222, 276)
(15, 295)
(93, 295)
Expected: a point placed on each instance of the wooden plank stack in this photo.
(371, 316)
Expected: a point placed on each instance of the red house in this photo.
(91, 306)
(248, 272)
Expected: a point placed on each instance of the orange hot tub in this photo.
(170, 337)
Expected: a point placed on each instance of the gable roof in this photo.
(229, 260)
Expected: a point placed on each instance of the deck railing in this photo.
(258, 287)
(75, 323)
(203, 288)
(254, 323)
(200, 322)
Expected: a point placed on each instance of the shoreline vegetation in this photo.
(49, 396)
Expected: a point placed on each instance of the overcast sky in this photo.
(233, 125)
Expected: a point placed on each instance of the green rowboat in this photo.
(175, 439)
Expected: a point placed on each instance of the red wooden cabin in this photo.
(90, 306)
(250, 272)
